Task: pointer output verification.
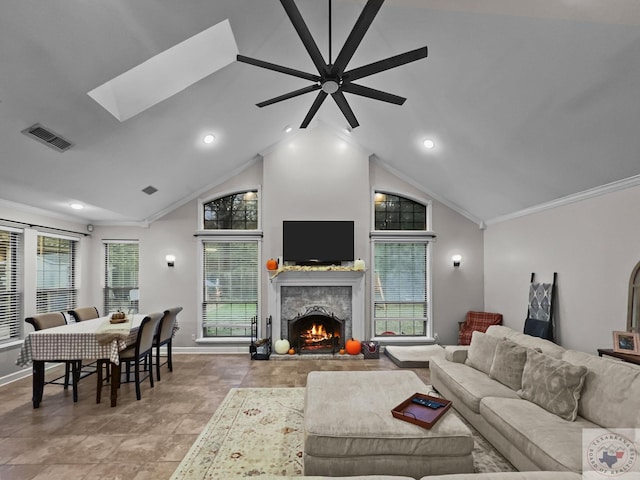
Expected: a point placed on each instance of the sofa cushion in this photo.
(508, 363)
(481, 350)
(508, 476)
(611, 390)
(467, 384)
(553, 384)
(548, 441)
(545, 346)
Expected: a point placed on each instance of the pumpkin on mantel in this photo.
(272, 264)
(353, 347)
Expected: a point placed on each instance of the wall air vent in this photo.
(150, 190)
(47, 137)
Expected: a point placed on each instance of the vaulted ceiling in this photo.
(527, 102)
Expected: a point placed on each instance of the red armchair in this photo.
(476, 321)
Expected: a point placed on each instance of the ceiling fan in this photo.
(332, 79)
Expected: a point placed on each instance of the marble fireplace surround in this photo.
(315, 282)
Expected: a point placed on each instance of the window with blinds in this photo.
(230, 287)
(56, 274)
(121, 291)
(401, 287)
(10, 285)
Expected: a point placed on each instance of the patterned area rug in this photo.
(259, 432)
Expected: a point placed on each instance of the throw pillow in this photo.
(481, 350)
(553, 384)
(508, 363)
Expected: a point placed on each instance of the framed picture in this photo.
(626, 342)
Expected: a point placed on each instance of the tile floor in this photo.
(137, 440)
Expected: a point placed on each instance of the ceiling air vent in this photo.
(150, 190)
(48, 137)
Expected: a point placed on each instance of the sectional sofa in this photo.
(532, 398)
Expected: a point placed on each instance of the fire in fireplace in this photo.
(316, 331)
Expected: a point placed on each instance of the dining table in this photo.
(96, 339)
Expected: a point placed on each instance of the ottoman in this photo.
(349, 428)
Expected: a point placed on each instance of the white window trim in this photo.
(9, 344)
(409, 236)
(423, 200)
(406, 239)
(237, 236)
(200, 230)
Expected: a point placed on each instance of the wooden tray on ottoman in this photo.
(418, 414)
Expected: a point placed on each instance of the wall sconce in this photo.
(171, 260)
(456, 260)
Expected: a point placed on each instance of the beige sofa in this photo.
(532, 398)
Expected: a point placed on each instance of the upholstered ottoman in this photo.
(349, 428)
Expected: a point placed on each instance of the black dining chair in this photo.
(142, 350)
(81, 314)
(72, 367)
(164, 336)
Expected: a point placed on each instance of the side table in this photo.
(627, 357)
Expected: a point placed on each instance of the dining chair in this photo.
(81, 314)
(71, 367)
(164, 336)
(142, 349)
(84, 313)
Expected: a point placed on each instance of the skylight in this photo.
(168, 73)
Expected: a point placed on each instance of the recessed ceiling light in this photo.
(77, 206)
(288, 129)
(208, 138)
(428, 143)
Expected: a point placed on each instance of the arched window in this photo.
(401, 259)
(238, 211)
(229, 261)
(393, 212)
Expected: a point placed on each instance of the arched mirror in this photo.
(633, 313)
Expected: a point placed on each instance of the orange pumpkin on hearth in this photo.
(353, 347)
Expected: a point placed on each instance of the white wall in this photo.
(593, 245)
(318, 176)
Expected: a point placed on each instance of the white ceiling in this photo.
(528, 102)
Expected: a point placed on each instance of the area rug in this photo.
(258, 432)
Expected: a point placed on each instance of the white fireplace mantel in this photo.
(319, 278)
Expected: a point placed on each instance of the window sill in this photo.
(224, 340)
(11, 344)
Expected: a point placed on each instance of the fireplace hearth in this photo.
(316, 330)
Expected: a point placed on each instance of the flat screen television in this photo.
(321, 242)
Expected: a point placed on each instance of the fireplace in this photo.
(340, 293)
(316, 330)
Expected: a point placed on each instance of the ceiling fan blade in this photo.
(314, 109)
(345, 108)
(386, 64)
(289, 95)
(278, 68)
(355, 37)
(372, 93)
(305, 35)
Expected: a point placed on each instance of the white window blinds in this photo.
(121, 290)
(56, 272)
(10, 284)
(401, 288)
(230, 287)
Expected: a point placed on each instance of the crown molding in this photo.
(569, 199)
